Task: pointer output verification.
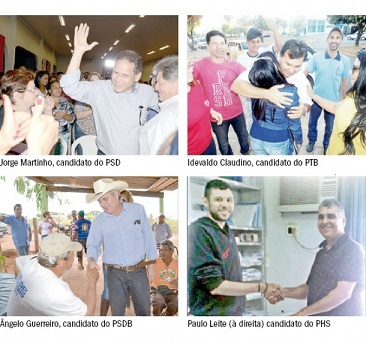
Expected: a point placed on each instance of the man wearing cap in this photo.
(129, 246)
(83, 227)
(39, 289)
(162, 231)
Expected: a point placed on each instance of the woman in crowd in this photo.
(46, 225)
(200, 137)
(126, 196)
(42, 82)
(272, 132)
(349, 129)
(16, 122)
(85, 124)
(63, 111)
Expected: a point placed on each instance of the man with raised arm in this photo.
(119, 105)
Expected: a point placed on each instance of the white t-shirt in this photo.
(39, 292)
(46, 227)
(248, 61)
(299, 80)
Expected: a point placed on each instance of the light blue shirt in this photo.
(127, 238)
(329, 73)
(19, 229)
(118, 116)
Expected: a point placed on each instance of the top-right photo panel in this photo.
(276, 86)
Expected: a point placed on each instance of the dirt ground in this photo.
(75, 277)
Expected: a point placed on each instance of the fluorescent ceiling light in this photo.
(62, 21)
(111, 48)
(151, 52)
(109, 63)
(141, 16)
(69, 44)
(164, 47)
(130, 28)
(116, 42)
(67, 37)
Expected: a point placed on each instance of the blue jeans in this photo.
(261, 147)
(210, 150)
(118, 284)
(315, 112)
(78, 133)
(22, 250)
(222, 134)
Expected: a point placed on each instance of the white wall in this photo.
(288, 263)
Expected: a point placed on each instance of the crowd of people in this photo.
(139, 265)
(266, 91)
(127, 116)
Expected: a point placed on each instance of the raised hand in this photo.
(44, 126)
(80, 39)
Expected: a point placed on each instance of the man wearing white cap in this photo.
(39, 289)
(129, 246)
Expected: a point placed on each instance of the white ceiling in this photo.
(150, 33)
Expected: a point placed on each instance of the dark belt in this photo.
(132, 268)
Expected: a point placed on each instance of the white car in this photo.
(235, 48)
(353, 36)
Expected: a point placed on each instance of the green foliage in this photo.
(357, 20)
(2, 261)
(38, 191)
(32, 190)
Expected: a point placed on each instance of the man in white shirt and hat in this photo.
(129, 247)
(39, 289)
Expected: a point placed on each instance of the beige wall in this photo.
(17, 33)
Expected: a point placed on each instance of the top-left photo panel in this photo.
(89, 85)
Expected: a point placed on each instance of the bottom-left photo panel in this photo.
(89, 246)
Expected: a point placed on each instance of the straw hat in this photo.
(104, 185)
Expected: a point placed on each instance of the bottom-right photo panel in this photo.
(276, 246)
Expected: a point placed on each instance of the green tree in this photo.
(357, 20)
(31, 190)
(298, 24)
(38, 191)
(192, 22)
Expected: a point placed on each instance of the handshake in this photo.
(274, 293)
